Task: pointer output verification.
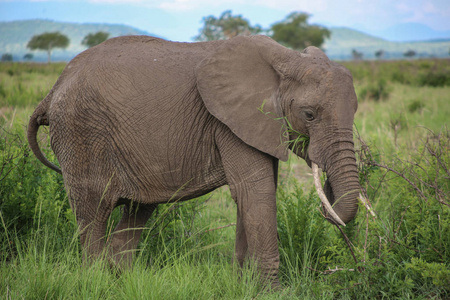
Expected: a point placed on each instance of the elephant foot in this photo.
(275, 285)
(271, 284)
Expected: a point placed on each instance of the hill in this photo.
(15, 35)
(410, 31)
(344, 40)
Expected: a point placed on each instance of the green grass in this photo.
(42, 270)
(422, 72)
(23, 85)
(186, 251)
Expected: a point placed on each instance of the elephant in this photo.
(137, 121)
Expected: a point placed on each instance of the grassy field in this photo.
(186, 252)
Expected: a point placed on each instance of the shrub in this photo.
(30, 193)
(434, 78)
(378, 90)
(416, 105)
(430, 72)
(408, 238)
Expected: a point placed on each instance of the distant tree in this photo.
(28, 56)
(357, 55)
(93, 39)
(7, 57)
(48, 41)
(225, 27)
(379, 54)
(410, 53)
(295, 32)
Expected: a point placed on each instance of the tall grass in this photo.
(43, 268)
(186, 251)
(22, 85)
(424, 72)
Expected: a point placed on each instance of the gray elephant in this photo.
(137, 121)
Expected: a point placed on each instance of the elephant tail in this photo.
(38, 118)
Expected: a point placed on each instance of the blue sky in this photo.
(180, 20)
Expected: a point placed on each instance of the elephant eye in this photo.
(309, 116)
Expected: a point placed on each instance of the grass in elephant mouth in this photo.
(301, 141)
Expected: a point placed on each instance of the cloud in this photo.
(121, 1)
(429, 8)
(288, 5)
(434, 13)
(296, 5)
(179, 5)
(194, 4)
(117, 1)
(364, 13)
(144, 2)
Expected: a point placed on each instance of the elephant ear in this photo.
(239, 86)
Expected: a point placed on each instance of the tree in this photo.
(47, 41)
(357, 55)
(28, 56)
(93, 39)
(225, 27)
(409, 53)
(7, 57)
(379, 54)
(295, 32)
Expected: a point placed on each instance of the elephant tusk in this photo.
(323, 198)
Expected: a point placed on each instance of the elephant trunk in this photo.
(342, 185)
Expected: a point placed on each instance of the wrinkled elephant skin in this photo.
(137, 121)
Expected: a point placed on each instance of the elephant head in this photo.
(269, 95)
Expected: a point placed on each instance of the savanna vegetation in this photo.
(401, 251)
(47, 41)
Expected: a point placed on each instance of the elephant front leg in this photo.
(251, 176)
(259, 229)
(241, 245)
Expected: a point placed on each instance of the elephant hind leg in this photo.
(127, 233)
(92, 210)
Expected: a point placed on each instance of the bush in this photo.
(416, 106)
(434, 78)
(30, 194)
(435, 73)
(402, 252)
(408, 240)
(378, 90)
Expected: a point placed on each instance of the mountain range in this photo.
(344, 40)
(406, 32)
(16, 34)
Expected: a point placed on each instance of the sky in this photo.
(180, 20)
